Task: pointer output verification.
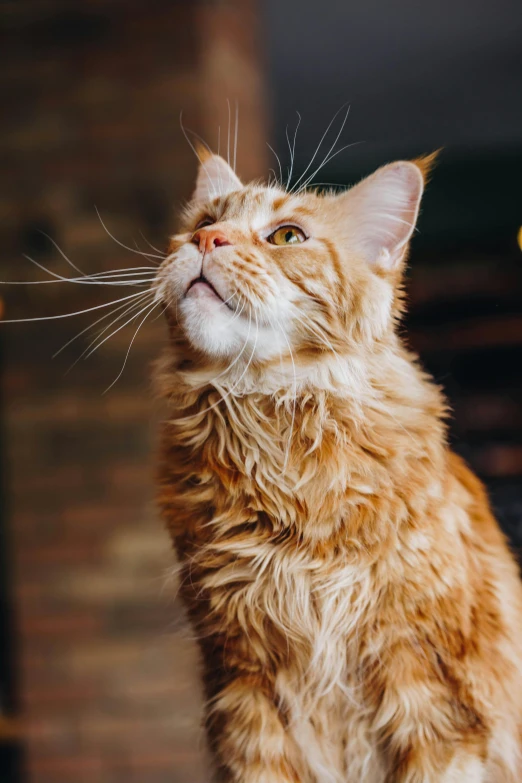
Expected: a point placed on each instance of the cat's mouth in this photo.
(203, 286)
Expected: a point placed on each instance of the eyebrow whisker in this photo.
(307, 169)
(292, 150)
(280, 182)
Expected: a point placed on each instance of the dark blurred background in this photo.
(98, 675)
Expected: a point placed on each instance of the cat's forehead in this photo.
(258, 205)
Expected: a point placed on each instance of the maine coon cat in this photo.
(358, 611)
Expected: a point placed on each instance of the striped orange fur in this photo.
(357, 608)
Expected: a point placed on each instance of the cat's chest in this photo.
(312, 603)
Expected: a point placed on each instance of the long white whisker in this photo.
(239, 310)
(307, 169)
(121, 244)
(232, 295)
(228, 137)
(123, 306)
(74, 280)
(272, 171)
(236, 131)
(70, 315)
(325, 162)
(278, 162)
(128, 309)
(84, 280)
(292, 150)
(153, 247)
(59, 249)
(125, 272)
(100, 343)
(149, 311)
(55, 275)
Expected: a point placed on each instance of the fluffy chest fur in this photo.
(321, 567)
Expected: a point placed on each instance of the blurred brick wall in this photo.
(465, 321)
(91, 96)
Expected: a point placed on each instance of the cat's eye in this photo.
(287, 235)
(203, 223)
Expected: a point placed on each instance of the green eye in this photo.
(287, 235)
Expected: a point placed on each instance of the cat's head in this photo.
(256, 272)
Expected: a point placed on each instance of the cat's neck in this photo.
(387, 382)
(324, 442)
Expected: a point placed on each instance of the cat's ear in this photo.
(215, 177)
(381, 211)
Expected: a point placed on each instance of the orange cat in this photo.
(357, 608)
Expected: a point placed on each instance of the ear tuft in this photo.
(426, 164)
(215, 177)
(202, 151)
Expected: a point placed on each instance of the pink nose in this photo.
(209, 238)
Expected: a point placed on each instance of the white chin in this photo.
(214, 329)
(208, 324)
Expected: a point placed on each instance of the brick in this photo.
(109, 680)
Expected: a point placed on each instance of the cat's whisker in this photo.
(70, 315)
(323, 137)
(238, 311)
(132, 308)
(126, 247)
(123, 306)
(63, 255)
(329, 154)
(325, 162)
(113, 277)
(280, 181)
(110, 280)
(76, 268)
(152, 247)
(232, 295)
(270, 183)
(74, 280)
(100, 343)
(141, 272)
(149, 311)
(228, 134)
(236, 131)
(292, 150)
